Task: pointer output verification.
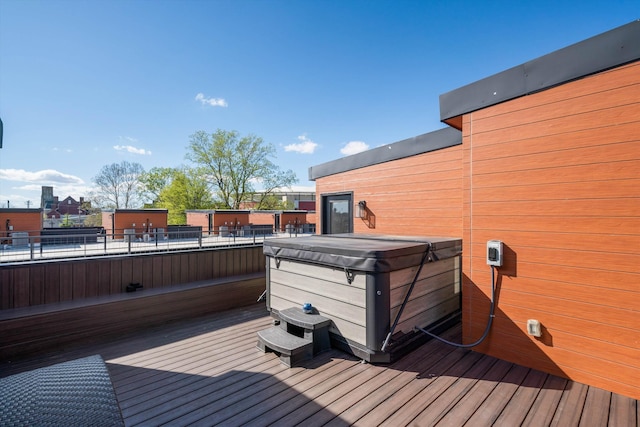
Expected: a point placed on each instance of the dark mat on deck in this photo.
(74, 393)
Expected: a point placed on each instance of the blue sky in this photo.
(88, 83)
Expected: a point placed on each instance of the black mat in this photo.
(75, 393)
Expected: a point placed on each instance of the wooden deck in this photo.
(207, 371)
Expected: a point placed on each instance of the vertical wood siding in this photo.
(42, 283)
(419, 195)
(556, 176)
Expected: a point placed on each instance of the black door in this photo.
(337, 216)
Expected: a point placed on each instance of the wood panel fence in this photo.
(24, 285)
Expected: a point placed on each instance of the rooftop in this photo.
(207, 370)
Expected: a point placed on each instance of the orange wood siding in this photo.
(419, 195)
(556, 176)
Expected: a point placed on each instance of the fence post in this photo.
(31, 244)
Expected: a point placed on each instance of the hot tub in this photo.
(361, 283)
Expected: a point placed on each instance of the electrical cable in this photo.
(489, 322)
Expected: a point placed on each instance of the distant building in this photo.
(55, 211)
(46, 199)
(298, 200)
(68, 206)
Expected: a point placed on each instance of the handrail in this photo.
(21, 246)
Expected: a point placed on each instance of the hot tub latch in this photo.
(350, 275)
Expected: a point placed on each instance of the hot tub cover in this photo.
(362, 252)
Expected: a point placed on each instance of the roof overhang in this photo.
(431, 141)
(605, 51)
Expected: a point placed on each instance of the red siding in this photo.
(556, 176)
(262, 218)
(125, 220)
(21, 221)
(420, 195)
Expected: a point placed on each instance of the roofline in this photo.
(604, 51)
(150, 210)
(20, 210)
(233, 211)
(436, 140)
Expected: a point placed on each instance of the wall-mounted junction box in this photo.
(494, 253)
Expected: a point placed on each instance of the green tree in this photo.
(66, 222)
(93, 215)
(271, 201)
(154, 182)
(187, 190)
(118, 185)
(234, 164)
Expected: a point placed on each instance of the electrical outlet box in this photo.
(494, 253)
(534, 328)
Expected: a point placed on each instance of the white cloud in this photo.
(47, 176)
(354, 147)
(132, 149)
(213, 102)
(305, 146)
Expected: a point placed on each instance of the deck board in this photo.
(208, 371)
(522, 402)
(571, 404)
(458, 391)
(596, 407)
(502, 392)
(623, 411)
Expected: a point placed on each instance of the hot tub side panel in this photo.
(293, 283)
(435, 295)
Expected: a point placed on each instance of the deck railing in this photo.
(49, 281)
(37, 246)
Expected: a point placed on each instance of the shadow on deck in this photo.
(208, 371)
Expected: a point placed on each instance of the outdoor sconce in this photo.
(361, 209)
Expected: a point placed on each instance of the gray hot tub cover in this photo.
(360, 252)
